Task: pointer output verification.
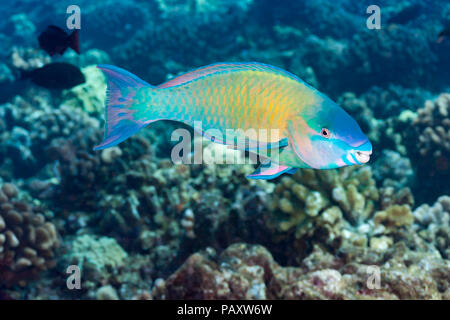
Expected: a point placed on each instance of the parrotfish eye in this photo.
(325, 133)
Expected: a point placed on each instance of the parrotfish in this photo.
(314, 132)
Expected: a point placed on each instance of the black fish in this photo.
(55, 40)
(58, 75)
(406, 15)
(443, 34)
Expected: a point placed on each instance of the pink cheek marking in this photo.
(340, 163)
(349, 158)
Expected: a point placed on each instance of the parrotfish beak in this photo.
(363, 152)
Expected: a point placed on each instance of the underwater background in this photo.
(140, 227)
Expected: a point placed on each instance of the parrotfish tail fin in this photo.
(270, 170)
(74, 41)
(120, 122)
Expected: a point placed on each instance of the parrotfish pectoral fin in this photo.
(270, 170)
(120, 122)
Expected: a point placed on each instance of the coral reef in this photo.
(94, 256)
(249, 272)
(27, 239)
(341, 209)
(428, 143)
(28, 132)
(431, 128)
(390, 101)
(393, 170)
(89, 96)
(433, 224)
(198, 203)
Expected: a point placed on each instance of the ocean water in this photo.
(130, 222)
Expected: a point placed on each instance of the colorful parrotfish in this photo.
(314, 132)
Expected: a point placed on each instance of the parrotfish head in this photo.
(324, 136)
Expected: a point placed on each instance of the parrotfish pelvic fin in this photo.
(120, 122)
(270, 170)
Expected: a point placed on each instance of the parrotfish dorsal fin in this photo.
(225, 67)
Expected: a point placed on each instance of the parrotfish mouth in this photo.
(363, 156)
(363, 153)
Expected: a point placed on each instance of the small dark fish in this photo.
(443, 34)
(55, 40)
(58, 75)
(406, 15)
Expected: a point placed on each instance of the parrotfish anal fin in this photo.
(271, 170)
(120, 122)
(225, 67)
